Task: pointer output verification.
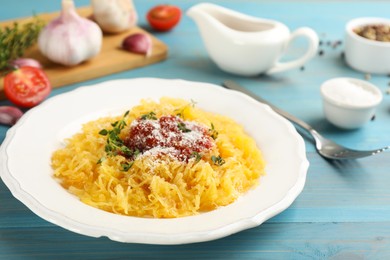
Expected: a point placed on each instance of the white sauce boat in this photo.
(246, 45)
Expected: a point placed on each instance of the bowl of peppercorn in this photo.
(367, 45)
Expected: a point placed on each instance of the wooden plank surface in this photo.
(343, 211)
(336, 241)
(111, 59)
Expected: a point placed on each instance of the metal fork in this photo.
(326, 148)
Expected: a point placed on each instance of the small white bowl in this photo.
(366, 55)
(349, 103)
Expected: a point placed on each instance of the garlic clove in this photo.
(114, 16)
(138, 43)
(22, 62)
(9, 115)
(70, 39)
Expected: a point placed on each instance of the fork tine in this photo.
(354, 154)
(381, 150)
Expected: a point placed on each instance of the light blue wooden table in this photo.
(344, 209)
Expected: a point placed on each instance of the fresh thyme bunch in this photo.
(14, 40)
(115, 144)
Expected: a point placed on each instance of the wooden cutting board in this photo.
(111, 59)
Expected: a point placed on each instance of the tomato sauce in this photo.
(169, 135)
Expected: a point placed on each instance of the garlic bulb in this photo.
(114, 16)
(70, 39)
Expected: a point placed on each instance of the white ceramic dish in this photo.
(349, 103)
(26, 151)
(366, 55)
(247, 45)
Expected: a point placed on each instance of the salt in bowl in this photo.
(349, 103)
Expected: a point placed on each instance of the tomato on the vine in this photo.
(26, 86)
(164, 17)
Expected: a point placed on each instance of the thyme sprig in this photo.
(115, 145)
(213, 133)
(182, 127)
(197, 156)
(217, 160)
(127, 165)
(14, 40)
(151, 115)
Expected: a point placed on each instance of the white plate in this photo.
(26, 151)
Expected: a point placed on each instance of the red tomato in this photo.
(26, 86)
(164, 17)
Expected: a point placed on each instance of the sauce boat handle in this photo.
(312, 37)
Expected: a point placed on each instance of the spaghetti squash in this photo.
(162, 159)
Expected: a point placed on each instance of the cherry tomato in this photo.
(26, 86)
(164, 17)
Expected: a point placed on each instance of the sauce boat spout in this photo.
(217, 17)
(206, 16)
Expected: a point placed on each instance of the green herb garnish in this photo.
(213, 133)
(197, 156)
(115, 144)
(217, 160)
(101, 160)
(16, 39)
(150, 115)
(182, 127)
(127, 165)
